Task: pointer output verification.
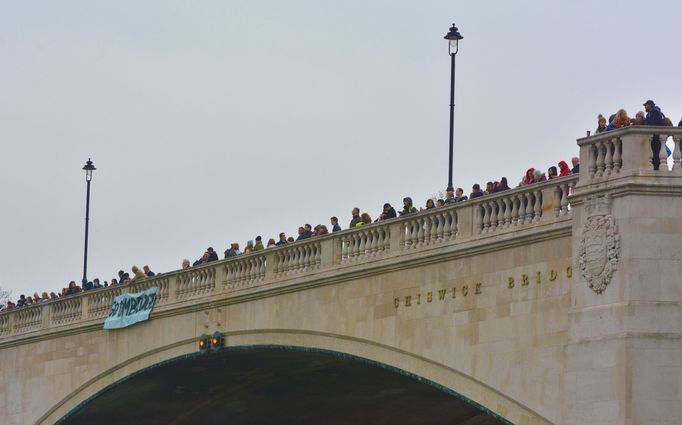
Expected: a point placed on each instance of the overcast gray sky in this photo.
(215, 121)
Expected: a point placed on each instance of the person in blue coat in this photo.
(654, 116)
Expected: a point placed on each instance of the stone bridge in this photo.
(554, 303)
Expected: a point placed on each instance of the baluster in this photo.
(538, 206)
(374, 244)
(564, 199)
(241, 272)
(343, 248)
(663, 155)
(528, 216)
(291, 260)
(420, 231)
(353, 246)
(677, 154)
(486, 218)
(253, 270)
(452, 217)
(317, 255)
(440, 226)
(408, 234)
(600, 159)
(617, 149)
(305, 258)
(500, 214)
(412, 233)
(433, 227)
(490, 207)
(294, 259)
(507, 212)
(592, 160)
(314, 252)
(608, 158)
(287, 261)
(361, 244)
(521, 197)
(387, 238)
(515, 201)
(239, 275)
(281, 263)
(557, 201)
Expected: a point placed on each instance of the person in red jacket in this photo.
(564, 169)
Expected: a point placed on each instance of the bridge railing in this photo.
(521, 209)
(606, 157)
(627, 152)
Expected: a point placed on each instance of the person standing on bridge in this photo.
(212, 255)
(654, 117)
(408, 208)
(388, 212)
(282, 239)
(137, 274)
(259, 244)
(335, 224)
(356, 217)
(460, 196)
(148, 272)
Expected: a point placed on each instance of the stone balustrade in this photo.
(510, 211)
(628, 151)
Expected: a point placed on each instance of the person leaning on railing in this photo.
(654, 117)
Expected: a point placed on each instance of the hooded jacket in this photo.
(563, 169)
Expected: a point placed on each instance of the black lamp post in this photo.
(453, 38)
(89, 168)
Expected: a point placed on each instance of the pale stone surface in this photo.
(485, 298)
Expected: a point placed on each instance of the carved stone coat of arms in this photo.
(599, 249)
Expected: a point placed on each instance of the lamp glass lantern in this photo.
(89, 168)
(453, 37)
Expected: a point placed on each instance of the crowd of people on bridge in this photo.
(653, 116)
(358, 219)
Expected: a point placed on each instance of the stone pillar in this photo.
(624, 350)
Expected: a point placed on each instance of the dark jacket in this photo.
(212, 256)
(229, 252)
(353, 222)
(281, 242)
(151, 273)
(388, 214)
(336, 228)
(461, 198)
(654, 117)
(475, 194)
(305, 235)
(576, 169)
(680, 124)
(88, 286)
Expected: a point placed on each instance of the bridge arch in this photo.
(443, 378)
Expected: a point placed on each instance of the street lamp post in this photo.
(453, 38)
(89, 168)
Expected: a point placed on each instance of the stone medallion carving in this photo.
(599, 249)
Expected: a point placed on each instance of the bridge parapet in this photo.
(514, 213)
(628, 152)
(605, 158)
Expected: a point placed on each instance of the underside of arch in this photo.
(277, 384)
